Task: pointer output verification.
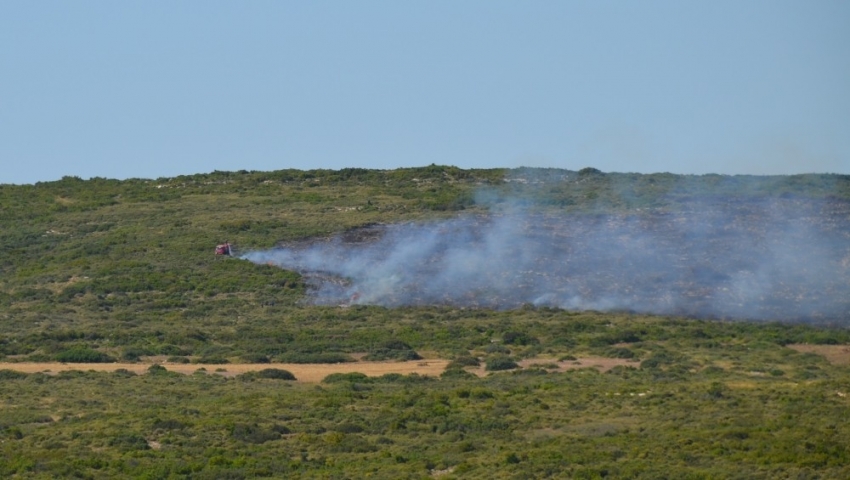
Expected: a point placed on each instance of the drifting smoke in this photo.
(782, 259)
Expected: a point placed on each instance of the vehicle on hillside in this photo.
(224, 249)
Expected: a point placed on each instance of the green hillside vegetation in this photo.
(103, 270)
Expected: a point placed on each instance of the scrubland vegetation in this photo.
(103, 270)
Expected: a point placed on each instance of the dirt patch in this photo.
(315, 372)
(600, 363)
(309, 373)
(835, 354)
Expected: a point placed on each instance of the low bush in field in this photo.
(252, 433)
(271, 373)
(393, 350)
(158, 370)
(276, 374)
(6, 374)
(255, 358)
(456, 373)
(83, 355)
(169, 349)
(500, 363)
(133, 354)
(619, 352)
(464, 361)
(211, 360)
(347, 377)
(495, 348)
(129, 442)
(519, 338)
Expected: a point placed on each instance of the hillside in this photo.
(103, 270)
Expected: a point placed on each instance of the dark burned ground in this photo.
(783, 259)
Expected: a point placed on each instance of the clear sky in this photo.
(155, 89)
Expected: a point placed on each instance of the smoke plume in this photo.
(777, 259)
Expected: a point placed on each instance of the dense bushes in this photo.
(393, 350)
(519, 338)
(83, 355)
(253, 433)
(346, 377)
(464, 361)
(500, 363)
(134, 354)
(6, 374)
(270, 373)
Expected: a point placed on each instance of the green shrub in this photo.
(497, 348)
(129, 442)
(619, 352)
(657, 360)
(464, 361)
(500, 363)
(168, 349)
(480, 394)
(519, 338)
(456, 373)
(393, 350)
(348, 427)
(716, 390)
(347, 377)
(252, 433)
(7, 374)
(255, 358)
(134, 354)
(399, 378)
(168, 424)
(211, 360)
(83, 355)
(276, 373)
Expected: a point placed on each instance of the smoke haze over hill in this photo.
(779, 259)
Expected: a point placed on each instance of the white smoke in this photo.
(779, 259)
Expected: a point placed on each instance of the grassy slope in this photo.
(126, 269)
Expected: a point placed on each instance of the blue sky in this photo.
(155, 89)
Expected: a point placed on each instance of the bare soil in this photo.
(310, 373)
(313, 372)
(552, 365)
(600, 363)
(835, 354)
